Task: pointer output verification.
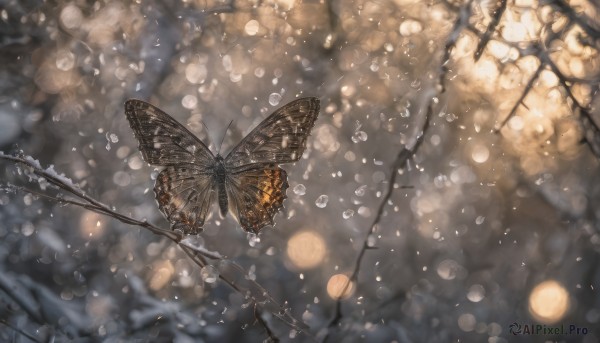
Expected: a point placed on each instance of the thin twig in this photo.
(579, 18)
(272, 338)
(590, 128)
(490, 29)
(526, 91)
(402, 158)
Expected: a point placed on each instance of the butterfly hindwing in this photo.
(185, 195)
(280, 138)
(256, 193)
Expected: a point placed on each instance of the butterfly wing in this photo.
(185, 188)
(280, 138)
(256, 194)
(255, 184)
(162, 140)
(185, 196)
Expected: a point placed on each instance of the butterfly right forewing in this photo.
(280, 138)
(185, 189)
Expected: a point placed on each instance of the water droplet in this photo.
(450, 117)
(253, 239)
(209, 274)
(189, 101)
(321, 201)
(476, 293)
(251, 27)
(194, 241)
(480, 154)
(300, 189)
(360, 191)
(347, 214)
(359, 136)
(371, 241)
(274, 99)
(65, 60)
(479, 220)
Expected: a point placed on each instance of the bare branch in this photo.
(272, 338)
(526, 91)
(258, 295)
(490, 29)
(591, 130)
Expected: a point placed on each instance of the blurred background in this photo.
(491, 230)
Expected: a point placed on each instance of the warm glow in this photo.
(548, 302)
(339, 286)
(514, 32)
(306, 249)
(487, 70)
(162, 275)
(92, 225)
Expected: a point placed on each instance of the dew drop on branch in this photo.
(209, 274)
(321, 201)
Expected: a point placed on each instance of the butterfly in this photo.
(248, 182)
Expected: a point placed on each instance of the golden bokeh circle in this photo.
(306, 249)
(340, 286)
(548, 302)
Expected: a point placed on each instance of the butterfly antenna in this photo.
(207, 133)
(225, 134)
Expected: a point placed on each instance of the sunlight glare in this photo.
(548, 302)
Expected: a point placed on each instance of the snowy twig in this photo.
(258, 296)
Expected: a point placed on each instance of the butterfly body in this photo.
(248, 182)
(220, 177)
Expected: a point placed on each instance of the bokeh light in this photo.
(339, 286)
(500, 192)
(161, 274)
(306, 249)
(91, 224)
(549, 302)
